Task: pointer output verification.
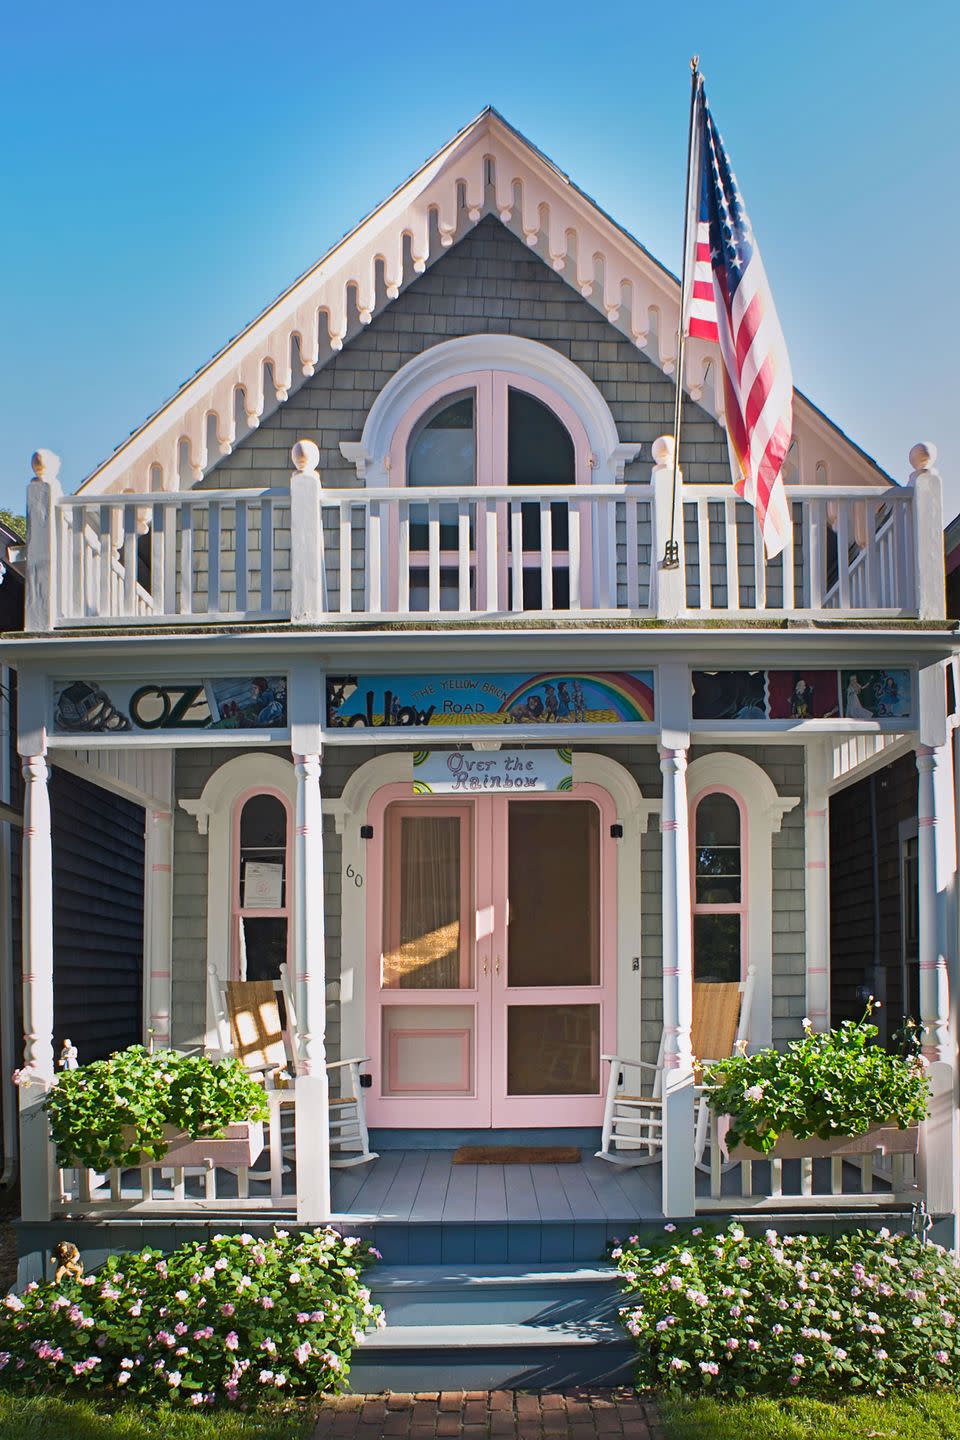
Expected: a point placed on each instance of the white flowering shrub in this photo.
(235, 1319)
(776, 1314)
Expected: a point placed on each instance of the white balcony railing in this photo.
(307, 554)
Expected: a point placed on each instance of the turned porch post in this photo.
(158, 926)
(817, 844)
(678, 1175)
(309, 988)
(37, 1169)
(937, 865)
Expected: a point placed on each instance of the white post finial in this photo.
(43, 492)
(929, 579)
(306, 526)
(923, 457)
(305, 456)
(669, 580)
(45, 465)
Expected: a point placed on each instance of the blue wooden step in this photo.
(507, 1326)
(492, 1357)
(507, 1294)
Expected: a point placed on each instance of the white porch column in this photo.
(37, 1167)
(309, 982)
(817, 844)
(937, 865)
(678, 1174)
(158, 926)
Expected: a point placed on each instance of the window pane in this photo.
(553, 1049)
(263, 947)
(540, 450)
(263, 853)
(554, 888)
(424, 940)
(718, 821)
(716, 947)
(443, 447)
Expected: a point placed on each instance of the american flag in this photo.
(729, 301)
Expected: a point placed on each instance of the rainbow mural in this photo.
(551, 697)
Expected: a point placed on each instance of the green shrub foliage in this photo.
(780, 1314)
(236, 1319)
(836, 1082)
(112, 1112)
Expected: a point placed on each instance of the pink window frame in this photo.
(740, 909)
(491, 389)
(238, 912)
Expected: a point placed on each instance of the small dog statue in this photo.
(66, 1257)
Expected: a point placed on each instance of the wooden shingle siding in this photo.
(489, 282)
(98, 844)
(784, 765)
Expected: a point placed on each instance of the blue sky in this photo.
(168, 169)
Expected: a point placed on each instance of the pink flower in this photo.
(794, 1379)
(941, 1357)
(676, 1364)
(227, 1309)
(709, 1367)
(266, 1302)
(733, 1344)
(232, 1340)
(302, 1352)
(669, 1229)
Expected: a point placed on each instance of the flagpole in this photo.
(671, 549)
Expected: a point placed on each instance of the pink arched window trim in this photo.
(729, 909)
(491, 390)
(238, 912)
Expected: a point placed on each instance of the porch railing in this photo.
(310, 554)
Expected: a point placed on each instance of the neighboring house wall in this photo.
(865, 893)
(784, 765)
(97, 916)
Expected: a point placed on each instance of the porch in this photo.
(645, 827)
(307, 554)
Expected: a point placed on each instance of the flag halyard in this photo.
(728, 301)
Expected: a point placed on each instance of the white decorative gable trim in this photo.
(487, 169)
(507, 353)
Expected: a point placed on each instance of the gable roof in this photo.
(488, 167)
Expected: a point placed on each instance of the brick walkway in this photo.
(498, 1414)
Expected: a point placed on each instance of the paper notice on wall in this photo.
(262, 886)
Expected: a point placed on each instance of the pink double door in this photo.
(491, 978)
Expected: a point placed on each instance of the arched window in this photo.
(719, 889)
(261, 885)
(491, 432)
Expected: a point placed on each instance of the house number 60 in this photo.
(355, 876)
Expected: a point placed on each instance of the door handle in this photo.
(496, 968)
(484, 971)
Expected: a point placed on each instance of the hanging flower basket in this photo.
(883, 1139)
(138, 1108)
(240, 1144)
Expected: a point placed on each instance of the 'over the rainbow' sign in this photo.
(558, 697)
(476, 772)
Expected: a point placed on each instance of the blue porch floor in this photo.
(424, 1186)
(419, 1208)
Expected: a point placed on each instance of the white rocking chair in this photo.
(249, 1025)
(633, 1123)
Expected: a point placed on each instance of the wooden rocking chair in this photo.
(250, 1026)
(633, 1123)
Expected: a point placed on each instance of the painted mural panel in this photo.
(876, 694)
(85, 707)
(801, 694)
(551, 697)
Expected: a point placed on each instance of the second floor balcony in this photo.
(311, 555)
